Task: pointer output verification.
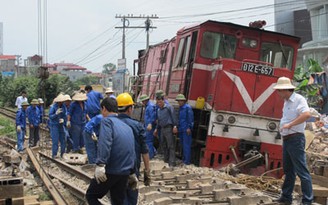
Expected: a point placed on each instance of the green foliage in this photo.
(7, 128)
(87, 80)
(56, 84)
(11, 88)
(302, 76)
(109, 68)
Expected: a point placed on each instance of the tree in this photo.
(109, 68)
(87, 80)
(310, 91)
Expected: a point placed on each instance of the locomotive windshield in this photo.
(278, 55)
(215, 45)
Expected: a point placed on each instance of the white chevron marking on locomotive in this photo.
(251, 106)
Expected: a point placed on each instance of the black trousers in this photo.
(116, 184)
(34, 136)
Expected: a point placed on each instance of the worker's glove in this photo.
(100, 173)
(61, 120)
(133, 181)
(147, 179)
(68, 124)
(26, 137)
(19, 128)
(94, 136)
(149, 127)
(59, 110)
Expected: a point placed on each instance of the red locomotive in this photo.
(233, 68)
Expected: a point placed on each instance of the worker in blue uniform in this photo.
(149, 123)
(76, 119)
(115, 157)
(21, 125)
(93, 102)
(159, 93)
(125, 109)
(90, 134)
(166, 123)
(57, 116)
(68, 138)
(185, 127)
(33, 115)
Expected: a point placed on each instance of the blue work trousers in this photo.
(58, 136)
(34, 136)
(150, 143)
(116, 184)
(294, 162)
(69, 141)
(20, 140)
(76, 132)
(185, 141)
(91, 147)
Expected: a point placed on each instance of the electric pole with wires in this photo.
(126, 25)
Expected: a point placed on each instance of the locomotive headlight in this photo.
(272, 126)
(219, 118)
(231, 119)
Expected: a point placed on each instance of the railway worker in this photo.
(57, 116)
(93, 102)
(76, 119)
(34, 116)
(125, 109)
(90, 136)
(115, 157)
(69, 140)
(21, 125)
(149, 123)
(185, 126)
(110, 93)
(158, 93)
(41, 108)
(21, 99)
(292, 124)
(167, 125)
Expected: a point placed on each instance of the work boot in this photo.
(282, 200)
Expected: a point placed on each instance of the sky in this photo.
(83, 31)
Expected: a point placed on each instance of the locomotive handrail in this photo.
(232, 125)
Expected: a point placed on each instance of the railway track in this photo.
(58, 176)
(187, 184)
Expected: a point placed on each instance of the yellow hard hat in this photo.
(124, 100)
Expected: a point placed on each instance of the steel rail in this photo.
(69, 168)
(58, 198)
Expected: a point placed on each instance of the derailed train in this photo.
(233, 68)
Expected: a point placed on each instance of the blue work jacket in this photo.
(41, 112)
(150, 114)
(53, 118)
(186, 118)
(166, 116)
(93, 125)
(33, 115)
(116, 146)
(139, 138)
(93, 102)
(78, 116)
(21, 118)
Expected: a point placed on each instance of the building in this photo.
(317, 47)
(74, 72)
(7, 63)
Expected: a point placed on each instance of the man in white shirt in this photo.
(21, 99)
(295, 113)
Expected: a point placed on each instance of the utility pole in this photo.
(148, 25)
